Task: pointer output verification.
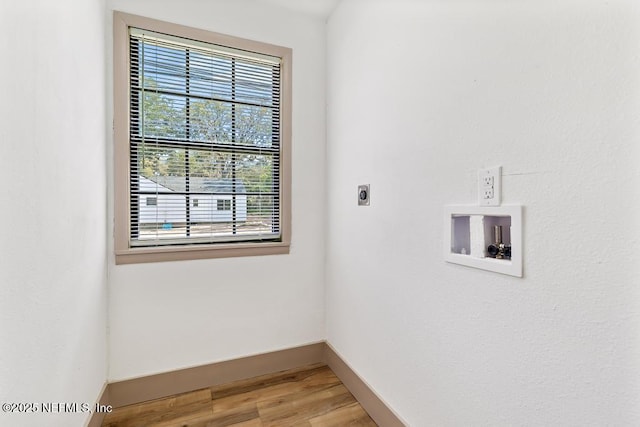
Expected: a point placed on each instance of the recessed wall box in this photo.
(489, 238)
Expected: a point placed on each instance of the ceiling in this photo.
(320, 8)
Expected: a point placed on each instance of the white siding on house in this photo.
(171, 208)
(207, 209)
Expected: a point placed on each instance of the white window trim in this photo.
(124, 252)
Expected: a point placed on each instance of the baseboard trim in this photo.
(137, 390)
(97, 417)
(377, 408)
(151, 387)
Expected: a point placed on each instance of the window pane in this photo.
(210, 121)
(164, 67)
(210, 164)
(210, 75)
(208, 201)
(152, 160)
(254, 126)
(254, 83)
(164, 116)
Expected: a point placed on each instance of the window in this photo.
(201, 120)
(224, 205)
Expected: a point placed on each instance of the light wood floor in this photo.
(309, 396)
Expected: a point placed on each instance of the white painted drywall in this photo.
(420, 95)
(166, 316)
(53, 295)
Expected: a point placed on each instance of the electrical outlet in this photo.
(364, 195)
(489, 186)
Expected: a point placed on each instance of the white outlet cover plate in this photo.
(485, 178)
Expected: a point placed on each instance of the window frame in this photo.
(124, 252)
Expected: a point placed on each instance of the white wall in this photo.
(420, 95)
(53, 207)
(166, 316)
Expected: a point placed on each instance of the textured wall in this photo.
(52, 207)
(423, 93)
(165, 316)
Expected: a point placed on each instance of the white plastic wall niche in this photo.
(470, 230)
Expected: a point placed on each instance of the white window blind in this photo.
(204, 142)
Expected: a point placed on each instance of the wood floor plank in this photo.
(318, 380)
(297, 411)
(251, 384)
(350, 415)
(234, 416)
(237, 417)
(173, 410)
(252, 423)
(310, 396)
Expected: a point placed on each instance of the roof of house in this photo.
(199, 184)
